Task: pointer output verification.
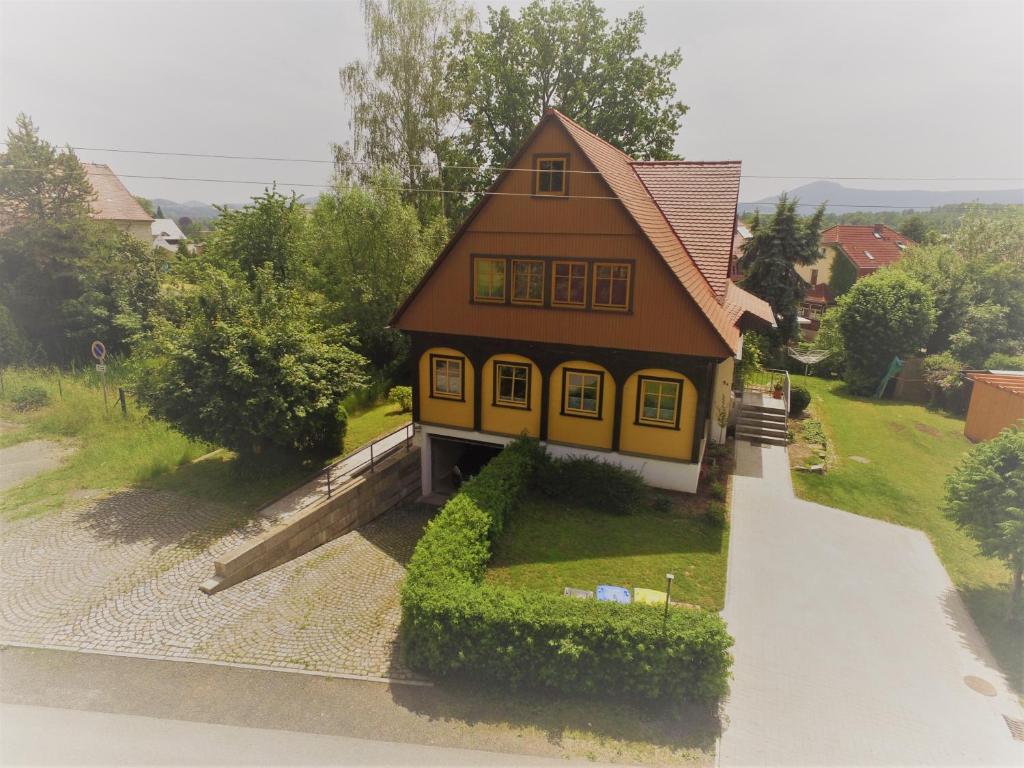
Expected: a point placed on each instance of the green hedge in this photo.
(451, 623)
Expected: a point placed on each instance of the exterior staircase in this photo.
(762, 419)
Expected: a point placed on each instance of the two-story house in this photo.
(585, 301)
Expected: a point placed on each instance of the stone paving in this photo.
(122, 575)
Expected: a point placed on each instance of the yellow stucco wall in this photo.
(452, 413)
(658, 441)
(823, 265)
(508, 420)
(575, 430)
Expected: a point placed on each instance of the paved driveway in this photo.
(122, 575)
(852, 647)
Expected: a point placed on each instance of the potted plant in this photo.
(777, 392)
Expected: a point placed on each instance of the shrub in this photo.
(1002, 361)
(717, 514)
(716, 490)
(799, 399)
(30, 398)
(451, 624)
(402, 397)
(812, 432)
(595, 484)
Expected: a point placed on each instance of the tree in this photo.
(565, 54)
(985, 497)
(403, 103)
(250, 365)
(914, 227)
(777, 246)
(880, 317)
(368, 250)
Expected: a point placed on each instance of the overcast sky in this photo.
(906, 89)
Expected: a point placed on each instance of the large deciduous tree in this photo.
(778, 245)
(403, 104)
(880, 317)
(565, 54)
(985, 496)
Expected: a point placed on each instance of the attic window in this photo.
(550, 175)
(869, 255)
(878, 234)
(901, 246)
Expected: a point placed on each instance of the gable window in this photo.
(489, 279)
(512, 385)
(550, 173)
(581, 393)
(659, 402)
(814, 277)
(447, 376)
(569, 284)
(611, 286)
(527, 281)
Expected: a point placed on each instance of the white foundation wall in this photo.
(722, 396)
(667, 475)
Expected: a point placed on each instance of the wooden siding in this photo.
(991, 411)
(664, 317)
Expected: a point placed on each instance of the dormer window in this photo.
(550, 174)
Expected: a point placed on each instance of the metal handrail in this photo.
(766, 380)
(327, 472)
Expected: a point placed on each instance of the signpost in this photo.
(99, 351)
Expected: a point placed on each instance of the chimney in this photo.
(878, 231)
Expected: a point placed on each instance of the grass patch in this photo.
(548, 546)
(911, 451)
(113, 452)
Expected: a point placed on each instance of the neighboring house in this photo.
(997, 402)
(817, 299)
(166, 234)
(586, 302)
(114, 203)
(739, 239)
(850, 252)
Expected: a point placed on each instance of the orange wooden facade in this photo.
(997, 402)
(585, 224)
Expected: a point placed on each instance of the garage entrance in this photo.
(455, 461)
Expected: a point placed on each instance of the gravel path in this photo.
(23, 461)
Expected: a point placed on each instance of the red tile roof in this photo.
(699, 201)
(1011, 381)
(739, 302)
(819, 294)
(864, 249)
(619, 171)
(113, 201)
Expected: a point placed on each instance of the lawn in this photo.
(113, 451)
(548, 546)
(910, 450)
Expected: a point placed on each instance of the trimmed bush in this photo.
(799, 399)
(30, 398)
(452, 624)
(402, 397)
(717, 514)
(595, 484)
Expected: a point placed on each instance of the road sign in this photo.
(101, 368)
(99, 350)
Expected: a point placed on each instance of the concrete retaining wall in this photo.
(355, 502)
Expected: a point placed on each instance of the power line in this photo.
(265, 158)
(465, 193)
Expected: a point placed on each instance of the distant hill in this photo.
(842, 199)
(194, 209)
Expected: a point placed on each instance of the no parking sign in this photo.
(99, 350)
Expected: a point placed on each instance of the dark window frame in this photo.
(629, 287)
(585, 304)
(638, 419)
(564, 411)
(477, 299)
(543, 280)
(434, 394)
(496, 386)
(537, 159)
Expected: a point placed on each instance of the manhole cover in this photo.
(983, 687)
(1016, 727)
(860, 459)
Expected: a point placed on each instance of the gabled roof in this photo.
(867, 251)
(619, 171)
(699, 200)
(703, 212)
(1010, 381)
(113, 201)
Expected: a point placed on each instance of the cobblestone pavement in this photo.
(122, 575)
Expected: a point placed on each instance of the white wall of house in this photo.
(722, 398)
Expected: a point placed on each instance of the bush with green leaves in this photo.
(1001, 361)
(799, 399)
(452, 624)
(595, 484)
(30, 398)
(880, 317)
(985, 497)
(402, 397)
(717, 513)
